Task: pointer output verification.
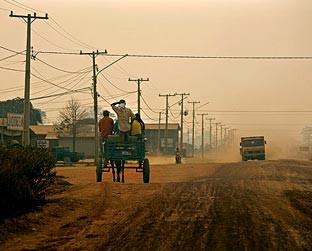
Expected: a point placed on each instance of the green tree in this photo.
(69, 116)
(16, 105)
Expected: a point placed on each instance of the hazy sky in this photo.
(166, 27)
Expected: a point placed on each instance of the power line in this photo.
(26, 6)
(199, 57)
(11, 69)
(56, 68)
(15, 54)
(79, 41)
(148, 115)
(7, 49)
(60, 94)
(110, 82)
(16, 5)
(214, 57)
(50, 42)
(148, 105)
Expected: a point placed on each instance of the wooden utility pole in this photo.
(94, 54)
(193, 128)
(167, 106)
(158, 138)
(210, 132)
(216, 140)
(203, 146)
(221, 135)
(139, 80)
(182, 114)
(28, 19)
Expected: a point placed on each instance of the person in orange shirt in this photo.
(106, 125)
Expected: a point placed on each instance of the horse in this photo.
(120, 164)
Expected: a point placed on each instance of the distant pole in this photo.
(158, 138)
(221, 135)
(210, 132)
(139, 80)
(193, 128)
(182, 113)
(28, 19)
(216, 143)
(167, 106)
(203, 147)
(226, 136)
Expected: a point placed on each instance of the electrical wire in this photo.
(152, 110)
(50, 42)
(214, 57)
(7, 49)
(61, 94)
(18, 53)
(148, 115)
(4, 9)
(56, 68)
(11, 69)
(79, 41)
(16, 5)
(70, 80)
(110, 82)
(26, 6)
(198, 57)
(45, 80)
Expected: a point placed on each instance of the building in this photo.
(49, 136)
(155, 134)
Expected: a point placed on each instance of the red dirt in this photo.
(250, 205)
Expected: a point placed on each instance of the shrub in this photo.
(25, 174)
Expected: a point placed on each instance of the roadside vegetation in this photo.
(25, 175)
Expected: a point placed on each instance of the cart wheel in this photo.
(99, 171)
(146, 171)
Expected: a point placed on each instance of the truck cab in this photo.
(252, 148)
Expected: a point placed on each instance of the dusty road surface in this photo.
(253, 205)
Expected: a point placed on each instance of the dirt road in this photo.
(217, 206)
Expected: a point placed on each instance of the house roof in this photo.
(171, 126)
(43, 129)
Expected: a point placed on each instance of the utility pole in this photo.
(167, 106)
(225, 136)
(158, 138)
(94, 54)
(203, 146)
(182, 113)
(210, 132)
(139, 80)
(216, 142)
(221, 141)
(193, 129)
(28, 19)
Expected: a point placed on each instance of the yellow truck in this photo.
(252, 148)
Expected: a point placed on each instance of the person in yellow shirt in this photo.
(137, 127)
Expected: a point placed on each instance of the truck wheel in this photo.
(99, 171)
(146, 171)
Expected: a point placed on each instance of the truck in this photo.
(62, 153)
(252, 147)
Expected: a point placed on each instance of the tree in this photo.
(69, 116)
(16, 105)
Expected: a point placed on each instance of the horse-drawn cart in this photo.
(116, 154)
